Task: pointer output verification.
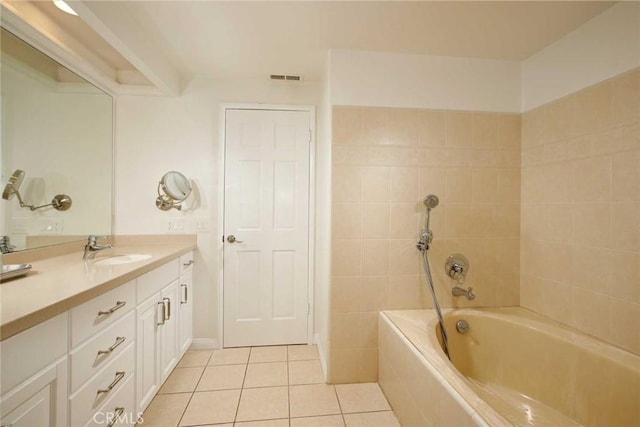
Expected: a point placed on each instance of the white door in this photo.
(266, 211)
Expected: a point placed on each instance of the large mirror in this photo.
(57, 129)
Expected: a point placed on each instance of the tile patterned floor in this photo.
(263, 387)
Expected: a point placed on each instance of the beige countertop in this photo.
(59, 283)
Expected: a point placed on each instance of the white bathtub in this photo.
(512, 367)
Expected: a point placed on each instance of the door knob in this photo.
(232, 239)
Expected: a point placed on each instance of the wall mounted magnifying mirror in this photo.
(60, 202)
(173, 189)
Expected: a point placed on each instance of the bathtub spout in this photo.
(458, 292)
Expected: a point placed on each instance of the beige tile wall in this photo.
(385, 161)
(581, 210)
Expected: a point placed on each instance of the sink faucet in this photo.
(92, 247)
(5, 245)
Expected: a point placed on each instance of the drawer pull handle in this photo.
(168, 312)
(187, 264)
(118, 306)
(119, 376)
(164, 313)
(119, 340)
(185, 294)
(116, 416)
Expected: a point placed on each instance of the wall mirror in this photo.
(58, 129)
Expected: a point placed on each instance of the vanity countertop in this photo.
(60, 283)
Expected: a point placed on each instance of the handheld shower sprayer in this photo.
(431, 201)
(426, 236)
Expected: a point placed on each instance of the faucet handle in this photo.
(94, 238)
(457, 267)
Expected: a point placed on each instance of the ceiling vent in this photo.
(285, 77)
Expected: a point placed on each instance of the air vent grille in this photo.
(286, 77)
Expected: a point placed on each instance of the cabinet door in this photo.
(185, 314)
(148, 315)
(169, 331)
(36, 411)
(39, 401)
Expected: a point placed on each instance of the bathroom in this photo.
(533, 154)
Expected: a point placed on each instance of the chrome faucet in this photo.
(5, 245)
(92, 247)
(457, 291)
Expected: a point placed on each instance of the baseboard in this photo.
(322, 354)
(204, 344)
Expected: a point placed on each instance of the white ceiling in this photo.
(172, 41)
(227, 39)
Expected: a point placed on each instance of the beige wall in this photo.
(581, 210)
(158, 134)
(385, 161)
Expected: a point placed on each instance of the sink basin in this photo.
(121, 259)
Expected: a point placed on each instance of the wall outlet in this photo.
(49, 226)
(19, 225)
(201, 225)
(176, 225)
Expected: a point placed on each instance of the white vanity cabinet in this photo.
(156, 330)
(33, 391)
(101, 362)
(185, 313)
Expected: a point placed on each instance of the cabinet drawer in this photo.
(93, 394)
(119, 408)
(151, 282)
(94, 315)
(186, 262)
(96, 353)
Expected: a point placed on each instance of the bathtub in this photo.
(512, 367)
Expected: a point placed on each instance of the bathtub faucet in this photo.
(458, 292)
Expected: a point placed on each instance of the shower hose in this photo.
(443, 330)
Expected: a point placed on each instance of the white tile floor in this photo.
(278, 386)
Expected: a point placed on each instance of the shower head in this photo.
(431, 201)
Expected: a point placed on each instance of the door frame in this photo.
(224, 107)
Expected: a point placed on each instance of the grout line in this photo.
(195, 388)
(199, 379)
(184, 411)
(339, 405)
(288, 388)
(244, 377)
